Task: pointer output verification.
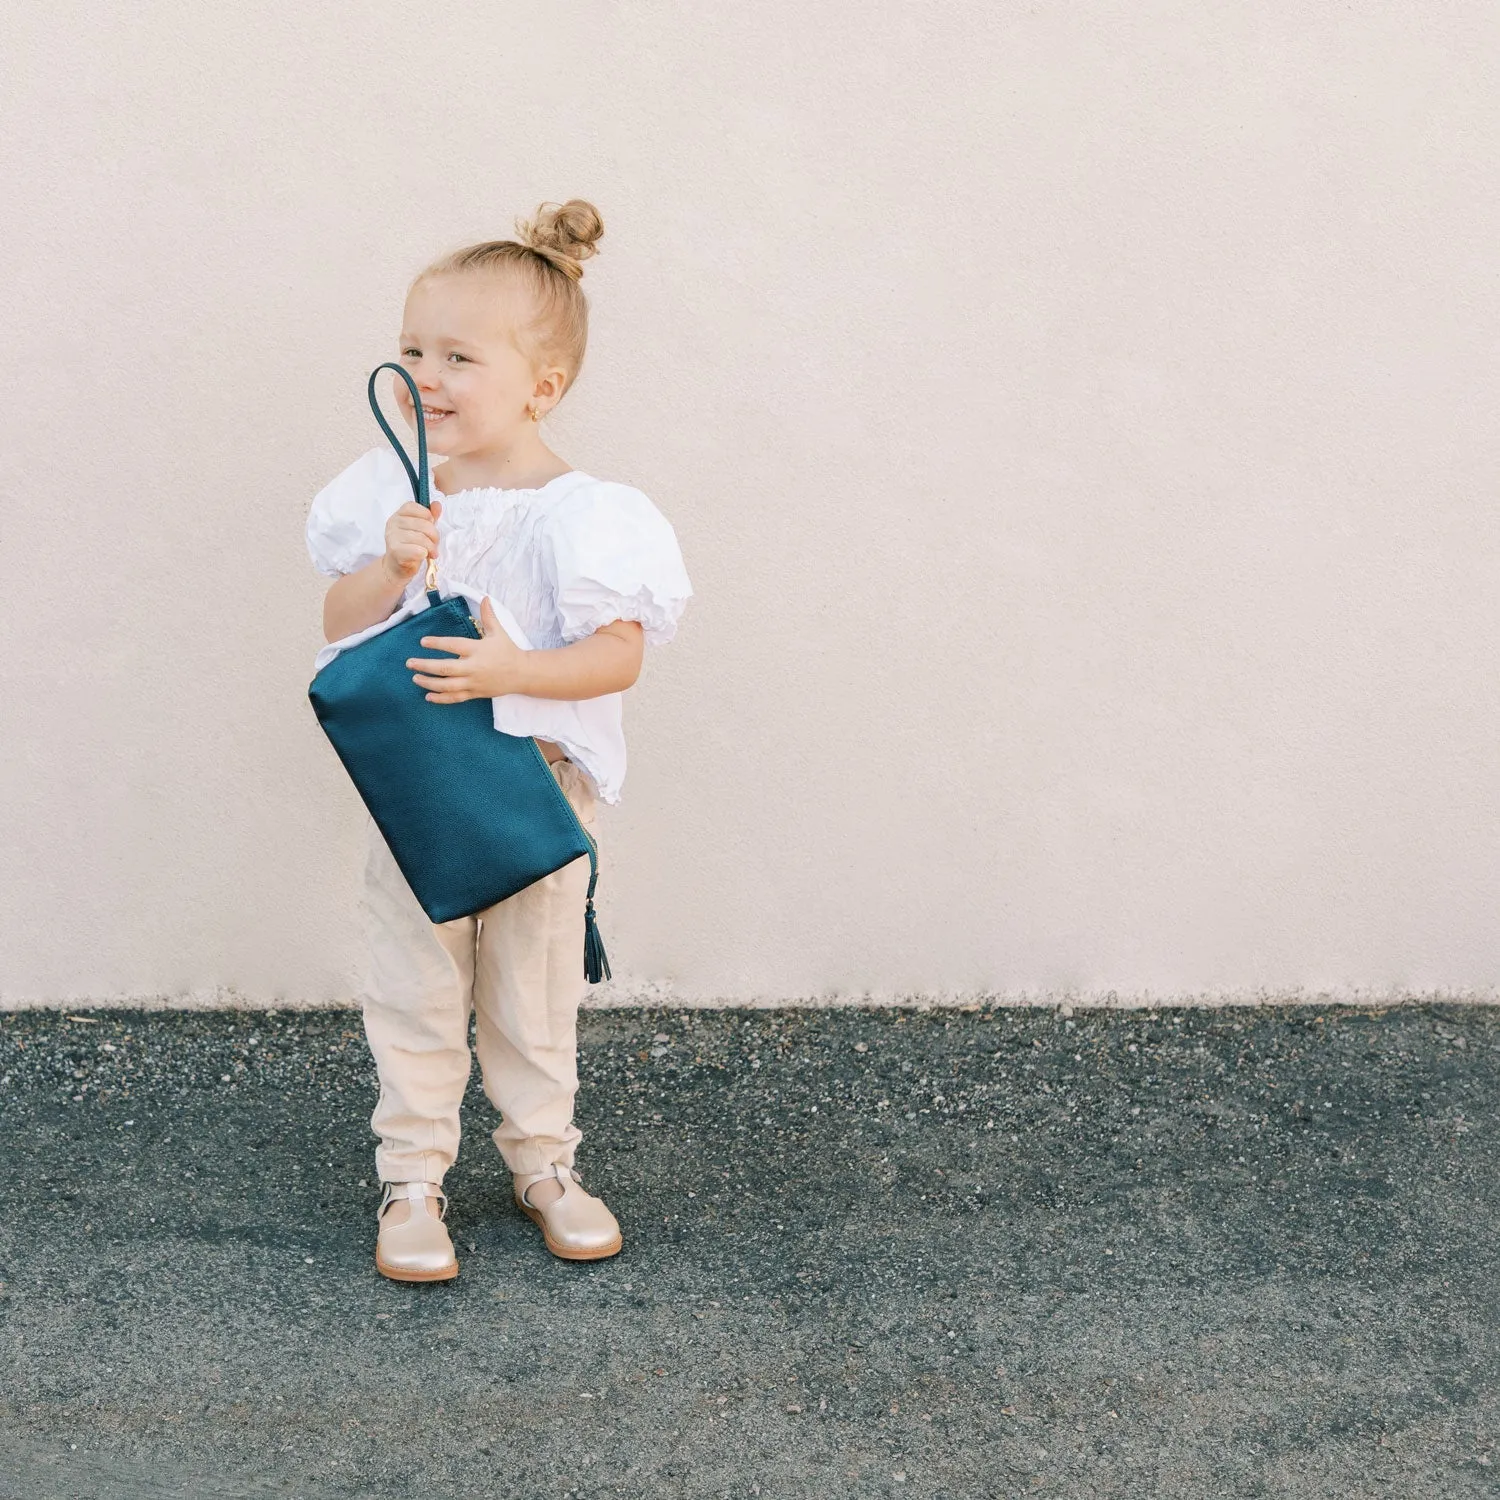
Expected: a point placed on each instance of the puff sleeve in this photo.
(346, 524)
(615, 557)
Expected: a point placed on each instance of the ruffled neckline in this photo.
(495, 489)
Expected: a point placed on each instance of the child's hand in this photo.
(485, 668)
(410, 539)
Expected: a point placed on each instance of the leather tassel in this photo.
(595, 960)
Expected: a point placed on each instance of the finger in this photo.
(439, 684)
(440, 669)
(457, 644)
(449, 697)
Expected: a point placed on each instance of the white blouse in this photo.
(557, 562)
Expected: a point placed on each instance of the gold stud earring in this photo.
(536, 415)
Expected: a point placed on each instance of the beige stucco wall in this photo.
(1079, 421)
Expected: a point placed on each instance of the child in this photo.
(590, 571)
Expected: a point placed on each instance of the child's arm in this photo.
(367, 595)
(608, 661)
(360, 599)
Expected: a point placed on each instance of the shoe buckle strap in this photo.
(565, 1175)
(418, 1193)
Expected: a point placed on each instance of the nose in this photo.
(420, 372)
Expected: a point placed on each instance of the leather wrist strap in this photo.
(418, 478)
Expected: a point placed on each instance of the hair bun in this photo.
(563, 233)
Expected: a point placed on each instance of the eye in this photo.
(405, 352)
(456, 355)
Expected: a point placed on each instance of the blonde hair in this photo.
(547, 259)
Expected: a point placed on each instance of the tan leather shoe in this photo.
(419, 1249)
(576, 1226)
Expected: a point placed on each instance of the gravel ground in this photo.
(921, 1254)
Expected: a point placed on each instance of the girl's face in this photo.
(476, 385)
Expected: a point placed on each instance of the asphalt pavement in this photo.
(1195, 1253)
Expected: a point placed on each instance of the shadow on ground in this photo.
(919, 1254)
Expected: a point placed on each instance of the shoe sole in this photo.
(445, 1273)
(562, 1252)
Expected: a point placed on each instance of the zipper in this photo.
(595, 963)
(593, 842)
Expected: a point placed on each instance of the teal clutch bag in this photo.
(471, 814)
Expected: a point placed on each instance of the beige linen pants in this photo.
(519, 966)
